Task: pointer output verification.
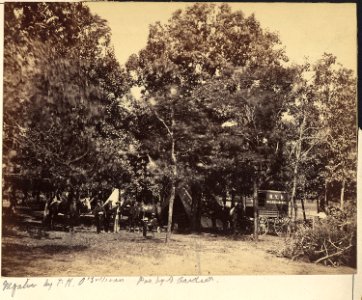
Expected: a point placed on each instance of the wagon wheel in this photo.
(263, 226)
(282, 226)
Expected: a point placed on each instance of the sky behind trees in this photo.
(305, 29)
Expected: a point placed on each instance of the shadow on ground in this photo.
(43, 250)
(30, 254)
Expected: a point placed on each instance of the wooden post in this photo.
(244, 203)
(325, 196)
(116, 219)
(342, 193)
(256, 211)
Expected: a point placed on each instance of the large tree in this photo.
(322, 130)
(62, 93)
(305, 133)
(336, 89)
(196, 72)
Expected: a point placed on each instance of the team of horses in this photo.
(111, 215)
(108, 214)
(69, 204)
(233, 218)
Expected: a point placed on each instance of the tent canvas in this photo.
(185, 199)
(114, 197)
(182, 213)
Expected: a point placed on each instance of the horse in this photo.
(84, 205)
(151, 217)
(67, 204)
(220, 212)
(231, 218)
(141, 215)
(133, 211)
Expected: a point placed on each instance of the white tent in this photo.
(114, 198)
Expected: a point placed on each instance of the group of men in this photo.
(104, 214)
(108, 216)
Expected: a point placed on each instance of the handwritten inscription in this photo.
(158, 280)
(170, 279)
(13, 287)
(92, 280)
(196, 279)
(56, 283)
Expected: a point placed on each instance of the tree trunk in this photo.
(298, 153)
(170, 211)
(244, 204)
(173, 180)
(342, 192)
(292, 209)
(325, 202)
(172, 199)
(304, 216)
(318, 206)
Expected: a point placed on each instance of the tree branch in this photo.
(332, 255)
(315, 142)
(78, 158)
(163, 122)
(50, 153)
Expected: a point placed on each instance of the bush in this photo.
(331, 241)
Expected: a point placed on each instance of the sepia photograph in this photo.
(179, 139)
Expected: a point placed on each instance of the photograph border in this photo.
(228, 287)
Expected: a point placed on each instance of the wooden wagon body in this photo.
(273, 211)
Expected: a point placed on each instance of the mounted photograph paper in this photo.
(178, 141)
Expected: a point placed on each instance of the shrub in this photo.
(331, 241)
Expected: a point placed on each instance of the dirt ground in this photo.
(28, 250)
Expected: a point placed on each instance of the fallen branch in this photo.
(332, 255)
(331, 262)
(338, 248)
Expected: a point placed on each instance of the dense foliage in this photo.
(62, 93)
(220, 113)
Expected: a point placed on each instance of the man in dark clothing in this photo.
(99, 214)
(107, 217)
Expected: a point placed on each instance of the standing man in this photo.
(99, 214)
